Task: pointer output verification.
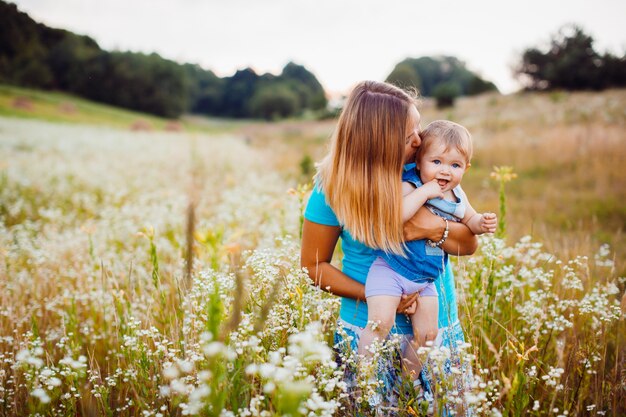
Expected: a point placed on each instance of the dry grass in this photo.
(98, 316)
(568, 149)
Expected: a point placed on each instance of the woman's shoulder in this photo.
(318, 210)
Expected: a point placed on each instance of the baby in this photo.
(442, 160)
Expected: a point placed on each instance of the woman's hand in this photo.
(408, 303)
(426, 225)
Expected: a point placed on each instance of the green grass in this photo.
(66, 108)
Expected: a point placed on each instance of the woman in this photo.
(358, 190)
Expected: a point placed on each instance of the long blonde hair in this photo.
(361, 175)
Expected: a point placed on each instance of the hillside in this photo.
(37, 56)
(66, 108)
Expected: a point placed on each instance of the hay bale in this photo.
(23, 103)
(173, 126)
(141, 125)
(67, 108)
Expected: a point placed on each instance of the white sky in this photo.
(340, 41)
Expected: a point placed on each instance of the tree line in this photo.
(34, 55)
(442, 77)
(570, 62)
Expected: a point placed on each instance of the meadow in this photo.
(154, 273)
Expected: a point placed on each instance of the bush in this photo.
(273, 102)
(404, 76)
(426, 73)
(446, 93)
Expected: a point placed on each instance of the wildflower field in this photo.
(157, 274)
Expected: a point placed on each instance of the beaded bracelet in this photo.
(443, 239)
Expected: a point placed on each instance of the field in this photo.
(156, 273)
(568, 150)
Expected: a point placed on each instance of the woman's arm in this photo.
(318, 245)
(426, 225)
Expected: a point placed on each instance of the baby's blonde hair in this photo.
(450, 134)
(361, 175)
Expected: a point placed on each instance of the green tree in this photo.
(570, 63)
(405, 76)
(274, 101)
(310, 92)
(35, 55)
(613, 70)
(32, 71)
(477, 85)
(446, 93)
(136, 81)
(68, 58)
(428, 72)
(19, 42)
(238, 90)
(206, 90)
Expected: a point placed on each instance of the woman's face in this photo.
(411, 135)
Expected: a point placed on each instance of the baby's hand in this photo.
(488, 222)
(432, 189)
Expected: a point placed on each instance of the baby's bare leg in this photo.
(381, 316)
(424, 322)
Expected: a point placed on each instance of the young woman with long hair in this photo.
(357, 197)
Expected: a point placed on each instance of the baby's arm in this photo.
(414, 198)
(479, 223)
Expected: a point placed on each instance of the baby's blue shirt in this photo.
(356, 262)
(422, 262)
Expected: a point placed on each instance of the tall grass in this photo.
(568, 155)
(96, 318)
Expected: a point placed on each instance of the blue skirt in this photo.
(451, 339)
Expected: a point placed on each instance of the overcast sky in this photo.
(340, 41)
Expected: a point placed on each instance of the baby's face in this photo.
(447, 166)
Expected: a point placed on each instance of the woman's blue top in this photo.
(356, 262)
